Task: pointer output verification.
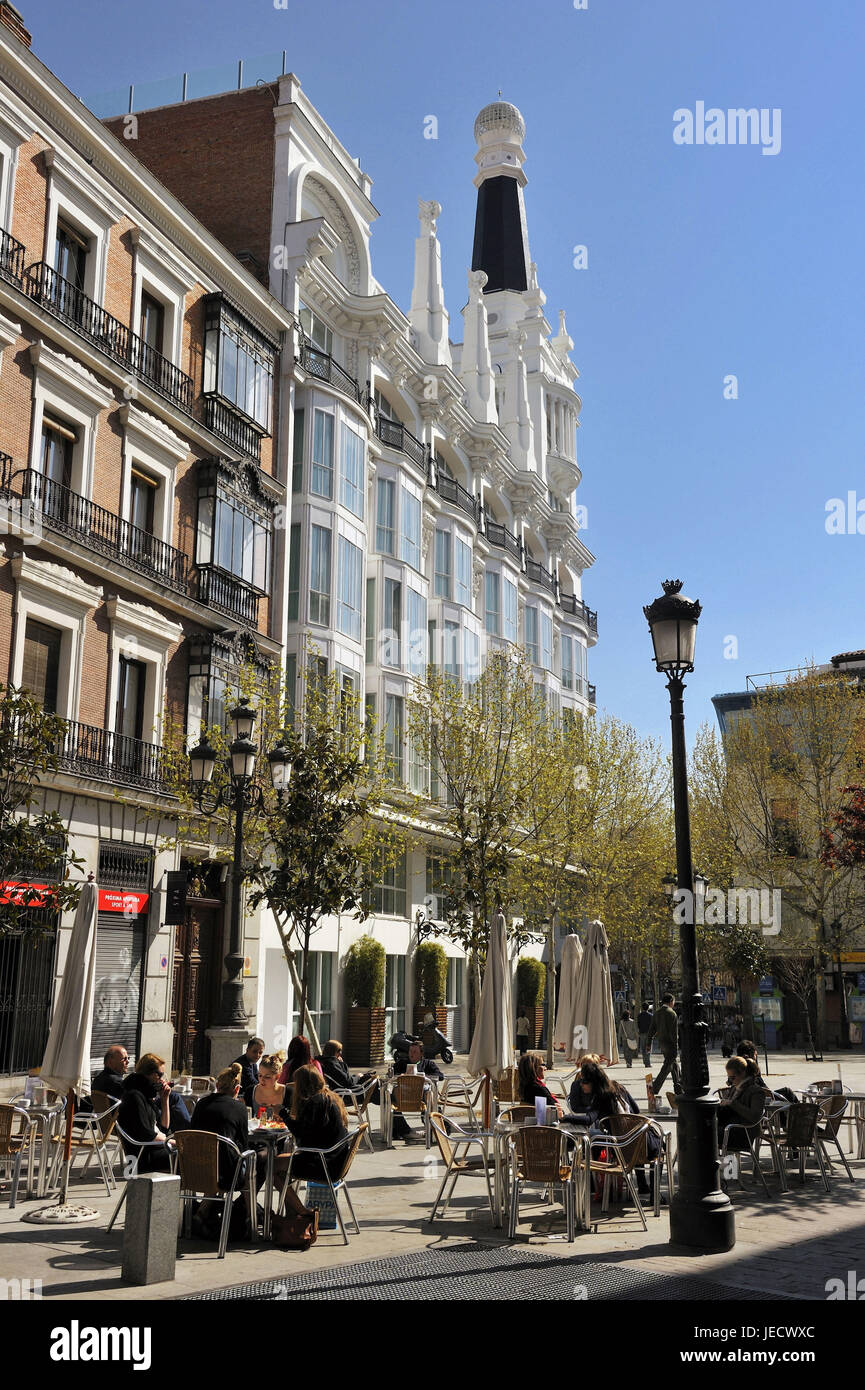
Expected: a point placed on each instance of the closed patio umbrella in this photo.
(566, 1022)
(66, 1063)
(594, 1019)
(492, 1046)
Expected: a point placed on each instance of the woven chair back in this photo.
(198, 1161)
(634, 1154)
(102, 1102)
(408, 1094)
(9, 1142)
(349, 1152)
(831, 1111)
(802, 1121)
(508, 1084)
(539, 1148)
(202, 1085)
(518, 1114)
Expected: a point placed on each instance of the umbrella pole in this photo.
(488, 1097)
(67, 1144)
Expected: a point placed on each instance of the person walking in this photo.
(628, 1037)
(644, 1024)
(523, 1029)
(665, 1027)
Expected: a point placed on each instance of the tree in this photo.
(35, 855)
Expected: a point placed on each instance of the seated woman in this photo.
(223, 1113)
(595, 1096)
(745, 1103)
(299, 1055)
(269, 1090)
(748, 1050)
(317, 1120)
(144, 1114)
(531, 1073)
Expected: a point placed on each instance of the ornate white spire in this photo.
(476, 368)
(517, 422)
(428, 315)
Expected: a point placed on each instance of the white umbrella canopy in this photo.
(492, 1046)
(66, 1063)
(566, 1020)
(594, 1019)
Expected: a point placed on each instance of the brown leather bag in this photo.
(297, 1230)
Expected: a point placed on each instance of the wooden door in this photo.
(195, 967)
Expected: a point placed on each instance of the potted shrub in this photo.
(430, 984)
(363, 974)
(531, 988)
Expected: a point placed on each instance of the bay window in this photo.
(238, 362)
(385, 521)
(235, 520)
(349, 594)
(492, 604)
(319, 575)
(532, 645)
(443, 564)
(351, 472)
(391, 654)
(410, 508)
(509, 628)
(322, 454)
(463, 573)
(546, 641)
(417, 633)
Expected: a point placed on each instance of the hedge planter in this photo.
(364, 1045)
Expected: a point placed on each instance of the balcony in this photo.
(540, 574)
(225, 594)
(452, 491)
(322, 366)
(222, 421)
(11, 258)
(571, 604)
(104, 756)
(500, 536)
(396, 436)
(593, 698)
(73, 307)
(5, 471)
(66, 512)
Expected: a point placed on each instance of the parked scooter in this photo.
(433, 1041)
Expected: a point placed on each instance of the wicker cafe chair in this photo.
(564, 1083)
(133, 1150)
(635, 1150)
(802, 1121)
(832, 1110)
(538, 1155)
(16, 1142)
(507, 1086)
(626, 1149)
(198, 1163)
(449, 1145)
(91, 1135)
(201, 1085)
(456, 1095)
(337, 1184)
(409, 1097)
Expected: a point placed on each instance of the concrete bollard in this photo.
(150, 1231)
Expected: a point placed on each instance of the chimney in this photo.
(12, 19)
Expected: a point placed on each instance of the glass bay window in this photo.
(238, 362)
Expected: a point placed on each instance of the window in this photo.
(385, 522)
(351, 488)
(394, 993)
(582, 658)
(383, 406)
(391, 654)
(393, 728)
(388, 894)
(319, 576)
(455, 987)
(70, 259)
(350, 592)
(316, 330)
(290, 688)
(322, 454)
(294, 573)
(443, 564)
(785, 827)
(348, 701)
(567, 663)
(463, 585)
(418, 769)
(417, 633)
(235, 535)
(439, 877)
(319, 987)
(41, 666)
(510, 610)
(411, 526)
(297, 453)
(129, 713)
(370, 622)
(472, 656)
(532, 636)
(492, 614)
(238, 362)
(370, 731)
(450, 653)
(142, 500)
(546, 641)
(151, 323)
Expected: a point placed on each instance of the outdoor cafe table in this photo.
(502, 1132)
(270, 1139)
(47, 1119)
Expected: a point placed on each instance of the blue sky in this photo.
(703, 262)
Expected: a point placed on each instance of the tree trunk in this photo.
(821, 992)
(304, 979)
(551, 985)
(311, 1030)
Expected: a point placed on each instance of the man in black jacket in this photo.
(644, 1024)
(337, 1074)
(248, 1063)
(110, 1080)
(665, 1027)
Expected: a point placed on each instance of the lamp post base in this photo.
(232, 1014)
(701, 1215)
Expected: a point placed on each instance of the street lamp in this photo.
(701, 1214)
(240, 794)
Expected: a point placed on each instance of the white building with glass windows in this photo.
(434, 511)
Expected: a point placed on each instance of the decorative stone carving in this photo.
(429, 213)
(337, 219)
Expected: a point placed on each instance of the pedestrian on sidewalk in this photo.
(628, 1037)
(665, 1027)
(523, 1030)
(644, 1024)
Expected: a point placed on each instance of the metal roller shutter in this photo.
(117, 1003)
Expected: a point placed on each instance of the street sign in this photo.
(619, 996)
(719, 994)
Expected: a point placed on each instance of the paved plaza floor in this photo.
(788, 1247)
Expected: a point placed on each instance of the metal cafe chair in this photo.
(133, 1151)
(16, 1146)
(449, 1145)
(832, 1109)
(350, 1144)
(539, 1155)
(801, 1137)
(198, 1163)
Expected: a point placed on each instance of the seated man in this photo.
(248, 1062)
(110, 1079)
(337, 1074)
(426, 1067)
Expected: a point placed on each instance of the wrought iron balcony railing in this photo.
(452, 491)
(105, 756)
(233, 428)
(11, 258)
(396, 436)
(571, 604)
(67, 512)
(228, 595)
(540, 574)
(70, 304)
(321, 365)
(500, 536)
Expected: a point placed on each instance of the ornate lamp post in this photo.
(241, 793)
(701, 1214)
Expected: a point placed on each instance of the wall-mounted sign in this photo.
(247, 965)
(176, 884)
(163, 965)
(121, 900)
(13, 893)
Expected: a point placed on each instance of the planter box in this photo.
(440, 1014)
(365, 1037)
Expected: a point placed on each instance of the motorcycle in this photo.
(432, 1040)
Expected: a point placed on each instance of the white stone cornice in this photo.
(69, 372)
(10, 332)
(57, 580)
(148, 621)
(152, 432)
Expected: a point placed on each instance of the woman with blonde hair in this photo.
(268, 1090)
(317, 1120)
